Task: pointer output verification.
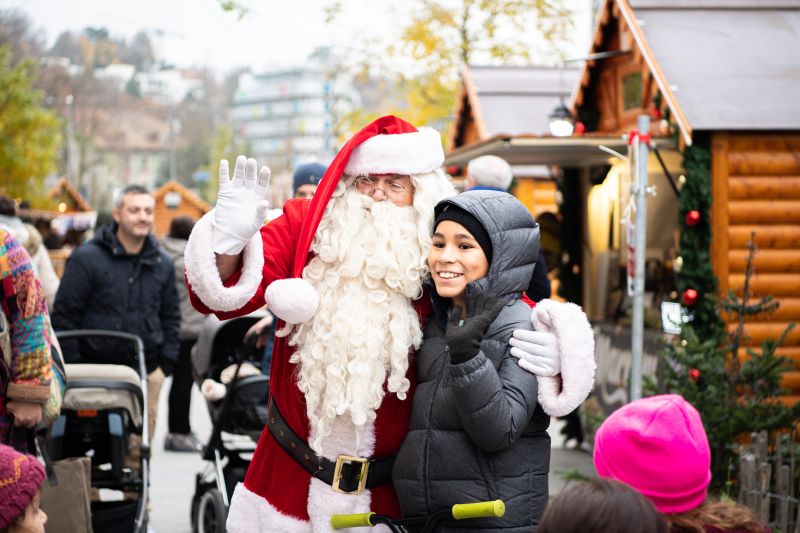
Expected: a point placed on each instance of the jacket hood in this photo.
(514, 235)
(107, 238)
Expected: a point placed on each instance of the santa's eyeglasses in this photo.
(391, 187)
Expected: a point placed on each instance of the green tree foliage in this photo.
(30, 135)
(735, 389)
(695, 241)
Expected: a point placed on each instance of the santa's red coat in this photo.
(273, 475)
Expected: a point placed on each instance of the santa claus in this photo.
(344, 272)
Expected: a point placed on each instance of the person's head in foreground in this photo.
(601, 506)
(21, 478)
(658, 446)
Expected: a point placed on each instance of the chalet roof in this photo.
(515, 100)
(720, 64)
(64, 185)
(186, 194)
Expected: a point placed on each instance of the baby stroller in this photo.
(238, 417)
(104, 404)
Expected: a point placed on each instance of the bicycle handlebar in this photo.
(459, 511)
(494, 508)
(343, 521)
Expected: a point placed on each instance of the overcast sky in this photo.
(200, 33)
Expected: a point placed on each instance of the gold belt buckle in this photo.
(362, 476)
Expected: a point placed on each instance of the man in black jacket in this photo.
(122, 281)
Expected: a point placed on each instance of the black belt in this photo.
(346, 474)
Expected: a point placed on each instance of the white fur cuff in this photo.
(203, 276)
(399, 153)
(561, 396)
(250, 512)
(292, 300)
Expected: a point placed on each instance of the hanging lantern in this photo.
(692, 218)
(689, 297)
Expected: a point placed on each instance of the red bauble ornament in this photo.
(692, 218)
(689, 297)
(580, 129)
(694, 375)
(655, 113)
(452, 170)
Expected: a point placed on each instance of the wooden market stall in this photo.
(721, 75)
(174, 200)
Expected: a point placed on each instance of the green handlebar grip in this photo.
(342, 521)
(479, 509)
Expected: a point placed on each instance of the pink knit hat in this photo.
(20, 478)
(658, 446)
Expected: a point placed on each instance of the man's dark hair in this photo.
(181, 227)
(8, 206)
(130, 189)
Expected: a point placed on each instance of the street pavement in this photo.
(173, 473)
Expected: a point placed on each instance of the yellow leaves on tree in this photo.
(30, 135)
(444, 36)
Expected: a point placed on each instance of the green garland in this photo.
(696, 272)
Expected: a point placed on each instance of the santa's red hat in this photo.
(388, 145)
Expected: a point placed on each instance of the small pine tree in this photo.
(735, 388)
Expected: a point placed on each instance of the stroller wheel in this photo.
(211, 513)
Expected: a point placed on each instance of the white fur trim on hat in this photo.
(203, 276)
(561, 396)
(397, 153)
(292, 300)
(250, 512)
(490, 171)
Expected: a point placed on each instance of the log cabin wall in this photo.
(756, 188)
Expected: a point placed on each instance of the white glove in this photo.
(537, 352)
(241, 205)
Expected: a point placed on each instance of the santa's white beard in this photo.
(369, 266)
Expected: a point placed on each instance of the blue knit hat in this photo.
(307, 174)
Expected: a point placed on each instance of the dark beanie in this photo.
(470, 223)
(307, 174)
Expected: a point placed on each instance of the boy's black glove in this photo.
(464, 342)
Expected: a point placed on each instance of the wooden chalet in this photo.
(498, 106)
(174, 200)
(717, 73)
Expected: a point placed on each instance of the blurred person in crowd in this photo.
(29, 237)
(21, 478)
(601, 506)
(180, 437)
(25, 342)
(121, 280)
(658, 446)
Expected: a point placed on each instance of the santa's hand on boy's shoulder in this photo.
(537, 352)
(464, 338)
(241, 207)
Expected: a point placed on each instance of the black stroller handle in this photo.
(141, 511)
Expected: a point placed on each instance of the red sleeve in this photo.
(279, 238)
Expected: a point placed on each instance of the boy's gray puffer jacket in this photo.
(476, 430)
